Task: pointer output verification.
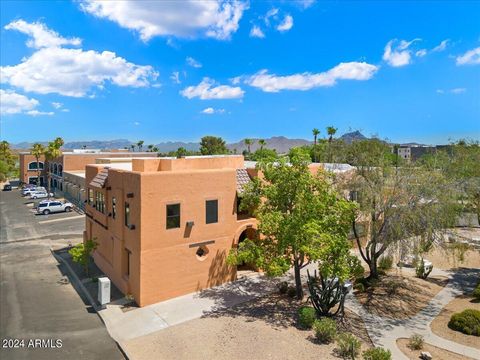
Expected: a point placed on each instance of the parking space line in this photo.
(62, 219)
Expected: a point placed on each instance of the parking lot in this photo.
(35, 302)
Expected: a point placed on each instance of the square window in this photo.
(211, 208)
(173, 216)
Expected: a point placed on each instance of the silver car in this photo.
(46, 207)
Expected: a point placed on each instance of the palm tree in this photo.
(133, 147)
(38, 150)
(155, 149)
(262, 143)
(52, 152)
(315, 133)
(140, 144)
(150, 148)
(248, 142)
(331, 131)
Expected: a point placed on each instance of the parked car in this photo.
(39, 194)
(46, 207)
(7, 187)
(30, 190)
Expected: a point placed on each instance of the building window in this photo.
(90, 197)
(33, 165)
(127, 214)
(100, 202)
(173, 216)
(211, 211)
(114, 207)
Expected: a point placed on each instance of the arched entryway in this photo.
(247, 233)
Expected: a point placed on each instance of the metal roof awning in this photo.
(100, 179)
(242, 180)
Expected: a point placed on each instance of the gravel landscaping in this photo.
(437, 353)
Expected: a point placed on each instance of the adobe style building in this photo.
(67, 171)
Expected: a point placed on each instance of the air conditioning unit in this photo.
(103, 290)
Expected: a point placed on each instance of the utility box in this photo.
(103, 290)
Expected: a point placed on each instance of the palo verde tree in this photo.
(298, 215)
(212, 145)
(405, 208)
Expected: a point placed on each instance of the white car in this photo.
(28, 191)
(46, 207)
(39, 195)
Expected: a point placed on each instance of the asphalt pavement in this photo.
(41, 317)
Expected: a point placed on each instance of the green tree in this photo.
(132, 147)
(212, 145)
(264, 154)
(315, 133)
(262, 143)
(140, 145)
(298, 215)
(8, 160)
(403, 207)
(52, 152)
(82, 252)
(248, 143)
(38, 150)
(181, 151)
(150, 148)
(331, 131)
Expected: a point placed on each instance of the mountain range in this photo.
(280, 143)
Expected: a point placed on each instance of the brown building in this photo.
(67, 172)
(165, 225)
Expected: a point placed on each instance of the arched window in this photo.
(60, 170)
(55, 169)
(33, 165)
(55, 183)
(51, 167)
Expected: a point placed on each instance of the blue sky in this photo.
(160, 71)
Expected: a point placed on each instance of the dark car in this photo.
(7, 187)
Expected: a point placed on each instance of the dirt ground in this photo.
(447, 260)
(437, 353)
(440, 324)
(411, 295)
(265, 328)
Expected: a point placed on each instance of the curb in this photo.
(89, 298)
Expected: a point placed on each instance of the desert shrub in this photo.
(392, 287)
(467, 322)
(325, 330)
(359, 286)
(356, 269)
(348, 346)
(421, 271)
(476, 293)
(415, 342)
(292, 292)
(306, 316)
(385, 262)
(283, 287)
(377, 354)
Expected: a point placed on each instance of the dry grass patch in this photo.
(400, 296)
(440, 324)
(437, 353)
(265, 328)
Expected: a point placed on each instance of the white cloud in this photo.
(13, 103)
(175, 77)
(440, 91)
(57, 105)
(399, 55)
(272, 13)
(458, 90)
(193, 63)
(306, 81)
(207, 89)
(187, 19)
(442, 46)
(471, 57)
(421, 53)
(40, 35)
(256, 32)
(286, 24)
(211, 111)
(74, 72)
(39, 113)
(306, 3)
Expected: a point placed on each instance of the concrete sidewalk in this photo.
(131, 324)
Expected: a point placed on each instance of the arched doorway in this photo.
(244, 269)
